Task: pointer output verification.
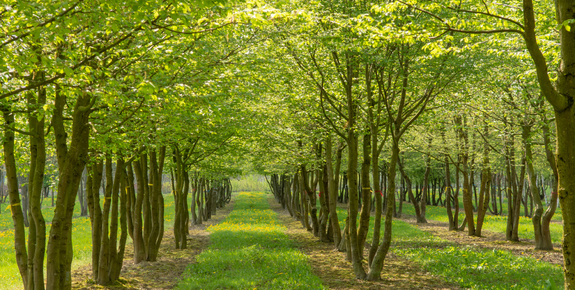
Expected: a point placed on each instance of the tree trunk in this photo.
(377, 264)
(484, 191)
(333, 176)
(181, 189)
(464, 168)
(71, 162)
(14, 196)
(352, 155)
(108, 252)
(93, 183)
(365, 195)
(420, 218)
(449, 196)
(375, 152)
(154, 238)
(323, 200)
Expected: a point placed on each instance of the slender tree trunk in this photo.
(464, 168)
(14, 196)
(93, 194)
(375, 151)
(139, 243)
(420, 218)
(449, 196)
(484, 191)
(352, 153)
(365, 194)
(110, 251)
(333, 176)
(377, 264)
(323, 200)
(37, 225)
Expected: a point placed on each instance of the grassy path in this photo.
(250, 250)
(336, 273)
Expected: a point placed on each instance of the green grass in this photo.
(250, 250)
(81, 239)
(252, 183)
(468, 267)
(471, 267)
(556, 217)
(492, 223)
(47, 210)
(9, 275)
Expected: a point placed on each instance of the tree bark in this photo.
(365, 194)
(464, 168)
(484, 191)
(14, 196)
(377, 264)
(419, 217)
(333, 176)
(71, 162)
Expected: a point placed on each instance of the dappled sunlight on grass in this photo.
(469, 267)
(472, 267)
(250, 250)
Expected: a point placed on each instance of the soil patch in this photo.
(337, 273)
(166, 271)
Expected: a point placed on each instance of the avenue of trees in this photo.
(367, 103)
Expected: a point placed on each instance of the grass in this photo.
(556, 217)
(47, 210)
(9, 275)
(81, 239)
(471, 267)
(250, 250)
(252, 183)
(492, 223)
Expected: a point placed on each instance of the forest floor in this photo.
(336, 273)
(328, 264)
(488, 240)
(171, 263)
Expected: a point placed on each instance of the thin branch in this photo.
(191, 32)
(17, 130)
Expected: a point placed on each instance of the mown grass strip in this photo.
(250, 250)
